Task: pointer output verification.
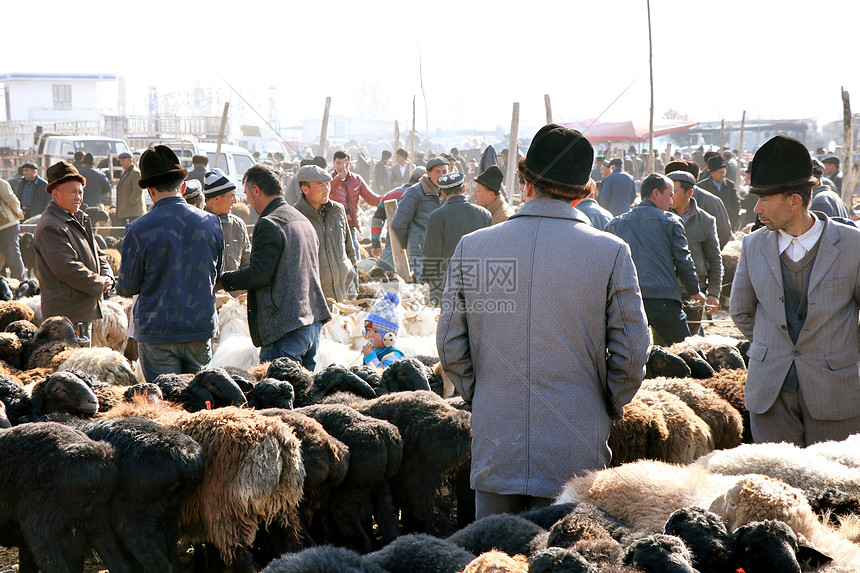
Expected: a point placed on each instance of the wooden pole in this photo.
(512, 151)
(649, 165)
(412, 144)
(221, 134)
(398, 253)
(548, 106)
(324, 127)
(850, 171)
(741, 147)
(722, 134)
(396, 136)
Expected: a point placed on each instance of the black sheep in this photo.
(660, 553)
(4, 419)
(311, 390)
(546, 517)
(176, 388)
(5, 289)
(221, 385)
(271, 393)
(405, 375)
(158, 468)
(147, 390)
(706, 535)
(661, 362)
(367, 373)
(28, 288)
(54, 481)
(27, 244)
(20, 409)
(559, 560)
(744, 348)
(323, 559)
(375, 454)
(587, 537)
(437, 442)
(509, 533)
(65, 391)
(725, 357)
(772, 546)
(699, 367)
(419, 553)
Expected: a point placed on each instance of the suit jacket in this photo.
(129, 195)
(826, 354)
(728, 194)
(545, 370)
(395, 179)
(712, 205)
(98, 187)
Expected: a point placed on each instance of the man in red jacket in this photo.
(346, 187)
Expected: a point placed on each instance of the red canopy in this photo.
(597, 132)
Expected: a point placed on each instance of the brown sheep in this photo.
(689, 436)
(725, 421)
(10, 349)
(12, 311)
(497, 562)
(260, 371)
(640, 434)
(729, 384)
(114, 259)
(253, 474)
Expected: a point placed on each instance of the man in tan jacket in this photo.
(10, 214)
(129, 195)
(488, 194)
(73, 272)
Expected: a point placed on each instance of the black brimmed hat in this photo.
(159, 164)
(561, 158)
(715, 162)
(59, 173)
(781, 161)
(491, 178)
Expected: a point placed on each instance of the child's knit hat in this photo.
(386, 314)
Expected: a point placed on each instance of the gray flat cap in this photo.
(313, 173)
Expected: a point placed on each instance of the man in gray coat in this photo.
(795, 296)
(542, 330)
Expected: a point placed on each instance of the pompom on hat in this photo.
(386, 314)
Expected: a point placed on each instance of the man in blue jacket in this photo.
(171, 259)
(660, 253)
(618, 190)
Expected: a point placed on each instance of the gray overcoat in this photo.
(826, 355)
(543, 330)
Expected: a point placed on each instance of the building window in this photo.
(62, 97)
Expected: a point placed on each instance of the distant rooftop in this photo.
(58, 77)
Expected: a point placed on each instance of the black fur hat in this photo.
(780, 162)
(561, 158)
(158, 164)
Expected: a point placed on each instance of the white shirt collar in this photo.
(805, 241)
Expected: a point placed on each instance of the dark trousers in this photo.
(666, 319)
(299, 345)
(11, 251)
(489, 503)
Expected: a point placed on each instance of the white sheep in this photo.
(35, 303)
(104, 364)
(111, 331)
(234, 346)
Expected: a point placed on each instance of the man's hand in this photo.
(699, 298)
(107, 284)
(376, 252)
(713, 305)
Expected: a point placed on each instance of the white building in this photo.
(52, 97)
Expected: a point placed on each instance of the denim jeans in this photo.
(176, 358)
(299, 345)
(355, 243)
(667, 320)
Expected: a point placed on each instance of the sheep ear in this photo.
(810, 558)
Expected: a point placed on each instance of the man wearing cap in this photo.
(831, 171)
(337, 257)
(129, 196)
(488, 194)
(706, 200)
(346, 187)
(194, 194)
(701, 231)
(286, 304)
(380, 173)
(171, 259)
(220, 195)
(384, 257)
(722, 187)
(589, 207)
(32, 191)
(618, 190)
(73, 272)
(415, 206)
(199, 168)
(545, 373)
(445, 227)
(597, 170)
(98, 187)
(659, 248)
(399, 174)
(796, 296)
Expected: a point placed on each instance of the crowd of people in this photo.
(546, 294)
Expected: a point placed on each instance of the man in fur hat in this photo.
(796, 297)
(73, 272)
(171, 259)
(545, 373)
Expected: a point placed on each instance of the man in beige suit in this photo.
(796, 295)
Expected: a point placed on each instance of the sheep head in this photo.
(65, 392)
(772, 546)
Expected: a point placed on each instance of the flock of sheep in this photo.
(272, 467)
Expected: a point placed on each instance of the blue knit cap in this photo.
(386, 315)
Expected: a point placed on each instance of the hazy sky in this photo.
(712, 60)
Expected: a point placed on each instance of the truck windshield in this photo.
(101, 148)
